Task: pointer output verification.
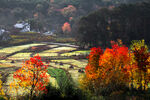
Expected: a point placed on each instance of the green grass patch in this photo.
(56, 73)
(60, 76)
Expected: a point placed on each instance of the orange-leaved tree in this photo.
(32, 76)
(89, 80)
(109, 69)
(66, 28)
(115, 65)
(93, 63)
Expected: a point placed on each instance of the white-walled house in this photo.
(4, 35)
(49, 32)
(23, 27)
(2, 31)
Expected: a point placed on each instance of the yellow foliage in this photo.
(137, 44)
(140, 77)
(2, 94)
(1, 90)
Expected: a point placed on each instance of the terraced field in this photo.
(61, 57)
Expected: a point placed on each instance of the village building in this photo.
(22, 27)
(4, 35)
(49, 32)
(2, 31)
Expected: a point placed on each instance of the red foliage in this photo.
(68, 11)
(118, 66)
(33, 74)
(93, 62)
(51, 1)
(111, 65)
(66, 27)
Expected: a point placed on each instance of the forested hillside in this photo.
(126, 22)
(51, 14)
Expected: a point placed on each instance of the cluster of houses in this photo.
(25, 27)
(22, 27)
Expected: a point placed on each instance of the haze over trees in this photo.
(126, 22)
(51, 13)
